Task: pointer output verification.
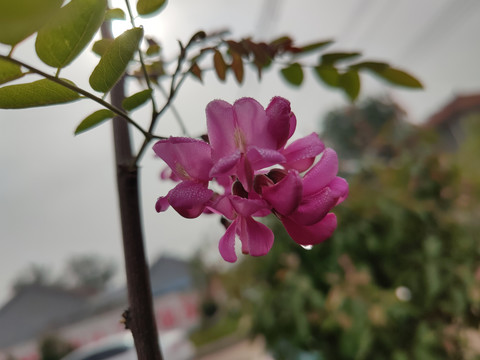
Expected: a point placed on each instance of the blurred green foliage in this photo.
(400, 278)
(53, 347)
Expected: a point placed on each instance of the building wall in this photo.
(172, 311)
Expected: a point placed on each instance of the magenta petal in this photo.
(242, 234)
(279, 114)
(293, 125)
(167, 173)
(285, 196)
(245, 173)
(339, 187)
(222, 205)
(189, 198)
(313, 234)
(300, 165)
(226, 246)
(188, 158)
(221, 128)
(261, 158)
(252, 121)
(162, 204)
(225, 165)
(321, 173)
(258, 237)
(314, 208)
(247, 207)
(301, 153)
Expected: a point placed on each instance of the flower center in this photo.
(182, 173)
(239, 139)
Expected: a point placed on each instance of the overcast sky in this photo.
(57, 191)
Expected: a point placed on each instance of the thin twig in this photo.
(142, 62)
(176, 114)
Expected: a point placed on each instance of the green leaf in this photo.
(293, 74)
(281, 44)
(350, 82)
(100, 46)
(386, 72)
(338, 56)
(315, 46)
(370, 65)
(9, 71)
(94, 119)
(328, 74)
(38, 93)
(115, 14)
(21, 18)
(68, 33)
(148, 7)
(154, 70)
(136, 100)
(153, 49)
(114, 61)
(399, 77)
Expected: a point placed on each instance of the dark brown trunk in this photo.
(140, 315)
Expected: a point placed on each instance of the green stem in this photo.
(87, 94)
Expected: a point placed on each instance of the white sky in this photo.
(57, 191)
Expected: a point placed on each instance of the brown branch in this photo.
(141, 319)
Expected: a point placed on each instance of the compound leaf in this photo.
(350, 83)
(94, 119)
(399, 77)
(9, 71)
(220, 65)
(315, 46)
(370, 65)
(136, 100)
(148, 7)
(331, 58)
(100, 46)
(390, 74)
(237, 66)
(21, 18)
(115, 60)
(68, 33)
(38, 93)
(115, 14)
(328, 74)
(196, 71)
(293, 74)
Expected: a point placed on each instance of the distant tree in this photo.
(371, 127)
(34, 274)
(91, 273)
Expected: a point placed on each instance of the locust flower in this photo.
(249, 156)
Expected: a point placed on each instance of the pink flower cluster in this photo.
(247, 154)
